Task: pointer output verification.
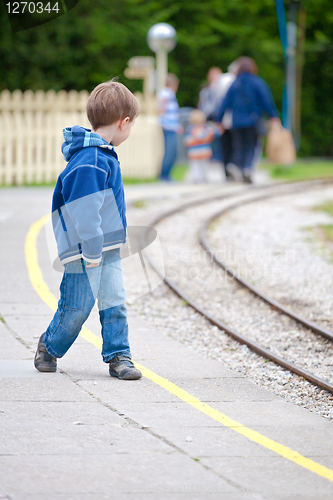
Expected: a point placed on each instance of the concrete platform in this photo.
(80, 434)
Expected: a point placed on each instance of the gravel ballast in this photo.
(270, 243)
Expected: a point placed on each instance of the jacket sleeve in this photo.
(225, 104)
(84, 193)
(266, 99)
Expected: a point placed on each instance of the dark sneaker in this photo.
(44, 362)
(123, 368)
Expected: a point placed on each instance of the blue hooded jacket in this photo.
(248, 98)
(88, 206)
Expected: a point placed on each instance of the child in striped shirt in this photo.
(198, 139)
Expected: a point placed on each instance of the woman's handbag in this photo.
(280, 146)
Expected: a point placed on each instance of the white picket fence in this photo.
(31, 126)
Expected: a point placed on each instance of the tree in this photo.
(92, 43)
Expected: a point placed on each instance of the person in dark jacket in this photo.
(89, 223)
(247, 99)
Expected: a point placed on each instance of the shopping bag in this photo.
(280, 146)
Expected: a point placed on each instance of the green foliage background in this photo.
(94, 41)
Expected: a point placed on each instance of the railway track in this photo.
(251, 196)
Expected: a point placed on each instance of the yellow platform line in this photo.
(38, 283)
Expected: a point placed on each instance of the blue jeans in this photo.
(79, 289)
(170, 153)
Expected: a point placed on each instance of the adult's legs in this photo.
(170, 153)
(234, 159)
(250, 140)
(244, 141)
(226, 142)
(237, 146)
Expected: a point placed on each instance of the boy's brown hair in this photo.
(110, 102)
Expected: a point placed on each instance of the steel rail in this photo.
(266, 353)
(266, 298)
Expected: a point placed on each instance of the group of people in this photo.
(229, 115)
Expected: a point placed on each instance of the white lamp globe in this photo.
(162, 36)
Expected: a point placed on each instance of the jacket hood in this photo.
(77, 138)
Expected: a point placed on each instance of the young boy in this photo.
(198, 139)
(89, 223)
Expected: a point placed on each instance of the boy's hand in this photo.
(96, 264)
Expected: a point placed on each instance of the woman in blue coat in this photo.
(248, 98)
